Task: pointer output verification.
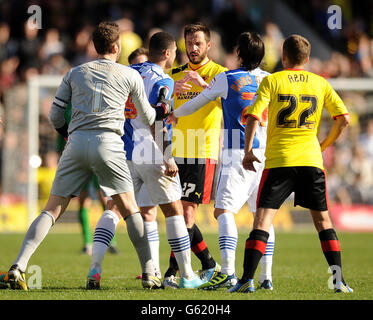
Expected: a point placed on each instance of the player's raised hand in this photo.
(181, 86)
(248, 161)
(194, 77)
(172, 119)
(171, 167)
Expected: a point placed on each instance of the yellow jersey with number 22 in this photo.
(295, 100)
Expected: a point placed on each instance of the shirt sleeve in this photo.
(218, 87)
(333, 103)
(139, 98)
(191, 106)
(167, 83)
(60, 102)
(262, 100)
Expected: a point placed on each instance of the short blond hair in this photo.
(297, 49)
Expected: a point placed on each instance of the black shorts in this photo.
(307, 183)
(197, 179)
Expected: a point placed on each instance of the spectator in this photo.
(29, 48)
(52, 45)
(8, 47)
(130, 39)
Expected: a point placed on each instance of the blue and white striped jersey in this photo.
(135, 132)
(237, 89)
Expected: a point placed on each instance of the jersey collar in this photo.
(194, 67)
(293, 69)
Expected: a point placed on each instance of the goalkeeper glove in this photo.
(63, 131)
(163, 106)
(162, 109)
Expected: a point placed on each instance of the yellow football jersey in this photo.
(197, 135)
(295, 100)
(45, 178)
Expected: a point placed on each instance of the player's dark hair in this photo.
(297, 49)
(104, 36)
(195, 27)
(158, 43)
(138, 52)
(250, 48)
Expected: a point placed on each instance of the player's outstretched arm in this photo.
(188, 108)
(341, 122)
(191, 106)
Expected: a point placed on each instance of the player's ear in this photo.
(167, 53)
(208, 45)
(115, 47)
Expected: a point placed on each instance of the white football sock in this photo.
(266, 260)
(104, 233)
(136, 232)
(34, 236)
(151, 229)
(228, 236)
(178, 238)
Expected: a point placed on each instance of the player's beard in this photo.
(197, 59)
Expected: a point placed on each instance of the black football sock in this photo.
(254, 249)
(200, 249)
(332, 252)
(173, 267)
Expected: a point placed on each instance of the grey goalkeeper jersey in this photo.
(98, 91)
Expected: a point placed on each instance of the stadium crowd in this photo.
(64, 41)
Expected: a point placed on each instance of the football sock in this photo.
(34, 236)
(332, 252)
(254, 249)
(173, 267)
(178, 238)
(136, 232)
(104, 232)
(86, 228)
(151, 229)
(266, 260)
(200, 249)
(228, 236)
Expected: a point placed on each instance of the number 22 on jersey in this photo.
(283, 115)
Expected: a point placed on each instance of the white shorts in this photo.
(235, 184)
(143, 197)
(92, 152)
(161, 188)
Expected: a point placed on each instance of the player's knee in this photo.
(149, 214)
(218, 212)
(172, 209)
(190, 212)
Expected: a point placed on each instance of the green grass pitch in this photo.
(300, 271)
